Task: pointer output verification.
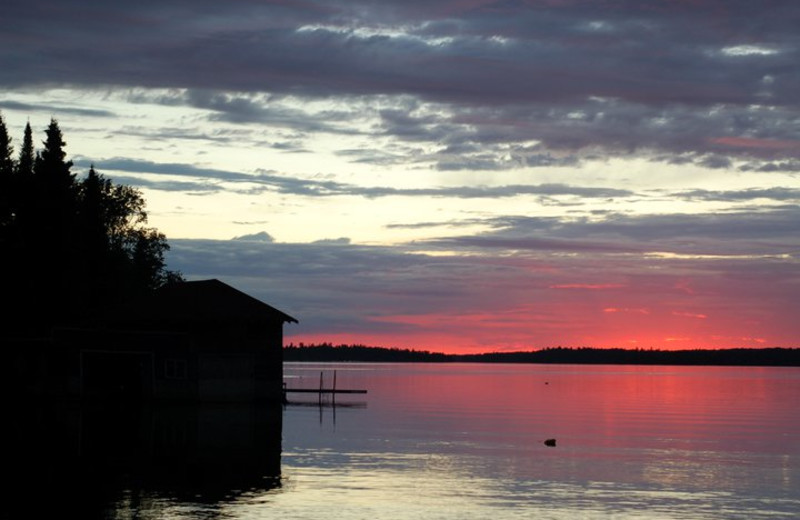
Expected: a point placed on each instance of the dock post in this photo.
(333, 395)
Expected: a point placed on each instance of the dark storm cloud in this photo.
(620, 75)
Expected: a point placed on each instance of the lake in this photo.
(458, 441)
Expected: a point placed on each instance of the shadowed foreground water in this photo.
(451, 441)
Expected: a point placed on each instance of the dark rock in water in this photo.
(550, 442)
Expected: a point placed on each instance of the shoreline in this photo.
(776, 357)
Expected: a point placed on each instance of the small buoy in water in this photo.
(550, 442)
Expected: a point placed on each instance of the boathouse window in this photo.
(175, 368)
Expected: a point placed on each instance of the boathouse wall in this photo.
(181, 347)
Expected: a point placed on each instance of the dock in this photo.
(322, 390)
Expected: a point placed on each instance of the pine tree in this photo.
(51, 163)
(6, 150)
(51, 219)
(6, 177)
(55, 184)
(20, 259)
(22, 187)
(26, 154)
(93, 213)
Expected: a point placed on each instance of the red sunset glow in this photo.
(601, 328)
(706, 303)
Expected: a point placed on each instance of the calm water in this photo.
(460, 441)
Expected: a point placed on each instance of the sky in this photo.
(448, 175)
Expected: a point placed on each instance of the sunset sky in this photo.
(454, 175)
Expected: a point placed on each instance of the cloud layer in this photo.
(708, 77)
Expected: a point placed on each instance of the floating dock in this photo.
(321, 390)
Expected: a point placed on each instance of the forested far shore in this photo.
(611, 356)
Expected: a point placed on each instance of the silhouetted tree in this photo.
(26, 154)
(22, 189)
(93, 212)
(21, 255)
(71, 246)
(617, 356)
(6, 174)
(51, 163)
(121, 256)
(6, 151)
(53, 217)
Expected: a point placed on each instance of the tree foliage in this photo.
(70, 246)
(6, 171)
(26, 154)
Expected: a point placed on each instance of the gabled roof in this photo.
(213, 299)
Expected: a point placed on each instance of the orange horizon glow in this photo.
(570, 324)
(676, 312)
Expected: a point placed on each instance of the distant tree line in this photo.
(327, 352)
(332, 353)
(69, 246)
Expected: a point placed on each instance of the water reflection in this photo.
(109, 461)
(433, 441)
(467, 441)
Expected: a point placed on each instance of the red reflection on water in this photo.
(659, 407)
(692, 427)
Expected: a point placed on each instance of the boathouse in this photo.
(201, 341)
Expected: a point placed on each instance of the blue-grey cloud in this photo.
(325, 188)
(767, 231)
(54, 111)
(620, 76)
(778, 193)
(261, 236)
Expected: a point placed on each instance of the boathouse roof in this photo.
(213, 299)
